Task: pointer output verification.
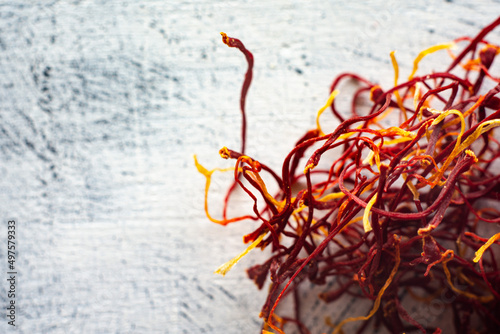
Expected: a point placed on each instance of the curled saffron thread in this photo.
(401, 206)
(208, 175)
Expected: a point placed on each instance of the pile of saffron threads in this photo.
(413, 207)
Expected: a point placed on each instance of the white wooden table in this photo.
(104, 103)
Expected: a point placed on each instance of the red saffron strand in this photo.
(236, 43)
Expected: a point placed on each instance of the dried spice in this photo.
(407, 211)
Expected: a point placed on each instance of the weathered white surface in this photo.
(103, 104)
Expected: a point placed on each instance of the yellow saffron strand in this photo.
(338, 329)
(459, 147)
(393, 131)
(395, 66)
(484, 127)
(456, 150)
(331, 196)
(258, 179)
(366, 220)
(417, 96)
(208, 175)
(309, 167)
(467, 113)
(411, 186)
(399, 101)
(223, 269)
(369, 158)
(426, 52)
(480, 251)
(328, 103)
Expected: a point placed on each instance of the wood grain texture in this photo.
(103, 104)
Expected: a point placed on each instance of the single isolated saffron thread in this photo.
(411, 207)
